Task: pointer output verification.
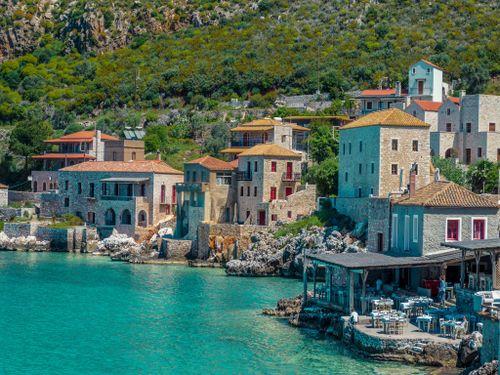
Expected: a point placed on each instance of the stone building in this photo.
(269, 188)
(127, 195)
(4, 195)
(426, 111)
(267, 131)
(468, 129)
(207, 195)
(377, 152)
(372, 100)
(77, 148)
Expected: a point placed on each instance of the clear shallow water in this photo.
(67, 314)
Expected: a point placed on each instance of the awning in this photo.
(475, 245)
(125, 179)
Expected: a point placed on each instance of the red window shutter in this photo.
(273, 166)
(174, 195)
(452, 230)
(273, 193)
(479, 229)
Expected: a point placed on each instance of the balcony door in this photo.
(420, 87)
(289, 170)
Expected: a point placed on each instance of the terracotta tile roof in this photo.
(212, 163)
(81, 136)
(234, 150)
(388, 117)
(270, 150)
(63, 156)
(136, 166)
(428, 105)
(378, 92)
(2, 186)
(454, 99)
(234, 163)
(432, 64)
(446, 194)
(265, 124)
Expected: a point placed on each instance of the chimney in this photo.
(398, 88)
(98, 135)
(437, 175)
(158, 155)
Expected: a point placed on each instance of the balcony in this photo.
(116, 197)
(291, 177)
(243, 176)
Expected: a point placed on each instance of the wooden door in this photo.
(289, 170)
(288, 191)
(420, 87)
(262, 218)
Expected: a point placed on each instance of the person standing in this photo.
(442, 290)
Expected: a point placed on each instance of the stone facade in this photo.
(124, 150)
(430, 117)
(378, 226)
(266, 188)
(205, 196)
(4, 196)
(469, 130)
(368, 160)
(355, 208)
(127, 201)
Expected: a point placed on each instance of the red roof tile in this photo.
(63, 156)
(234, 163)
(212, 163)
(454, 99)
(428, 105)
(136, 166)
(81, 136)
(2, 186)
(432, 64)
(383, 92)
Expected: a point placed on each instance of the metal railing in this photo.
(243, 176)
(291, 177)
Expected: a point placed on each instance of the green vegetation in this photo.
(2, 223)
(450, 170)
(66, 221)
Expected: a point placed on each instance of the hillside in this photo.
(126, 62)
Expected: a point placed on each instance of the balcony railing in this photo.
(243, 176)
(291, 177)
(246, 143)
(116, 198)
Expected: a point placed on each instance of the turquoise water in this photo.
(63, 314)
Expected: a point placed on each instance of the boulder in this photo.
(22, 243)
(468, 351)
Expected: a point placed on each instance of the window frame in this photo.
(392, 144)
(478, 218)
(448, 219)
(414, 143)
(414, 229)
(394, 230)
(406, 234)
(397, 169)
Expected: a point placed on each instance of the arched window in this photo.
(126, 217)
(142, 219)
(35, 186)
(44, 186)
(110, 217)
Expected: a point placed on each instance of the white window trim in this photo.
(472, 219)
(459, 229)
(415, 229)
(394, 231)
(406, 242)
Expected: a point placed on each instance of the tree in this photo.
(325, 176)
(482, 177)
(28, 136)
(450, 170)
(219, 138)
(322, 144)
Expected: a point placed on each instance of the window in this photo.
(274, 217)
(174, 195)
(373, 168)
(359, 192)
(414, 145)
(428, 70)
(448, 111)
(223, 178)
(126, 217)
(283, 138)
(273, 193)
(163, 194)
(79, 188)
(66, 185)
(188, 176)
(369, 105)
(91, 217)
(360, 146)
(415, 168)
(143, 192)
(479, 152)
(289, 214)
(461, 126)
(407, 233)
(453, 229)
(255, 191)
(468, 127)
(255, 166)
(66, 202)
(448, 126)
(478, 228)
(371, 190)
(349, 148)
(134, 155)
(104, 188)
(115, 158)
(346, 176)
(415, 228)
(248, 214)
(413, 71)
(394, 230)
(241, 191)
(394, 169)
(394, 145)
(467, 156)
(273, 166)
(248, 191)
(91, 190)
(360, 168)
(491, 126)
(195, 177)
(414, 113)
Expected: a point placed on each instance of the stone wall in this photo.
(8, 213)
(23, 196)
(355, 208)
(228, 240)
(176, 249)
(19, 229)
(4, 197)
(491, 339)
(50, 205)
(378, 212)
